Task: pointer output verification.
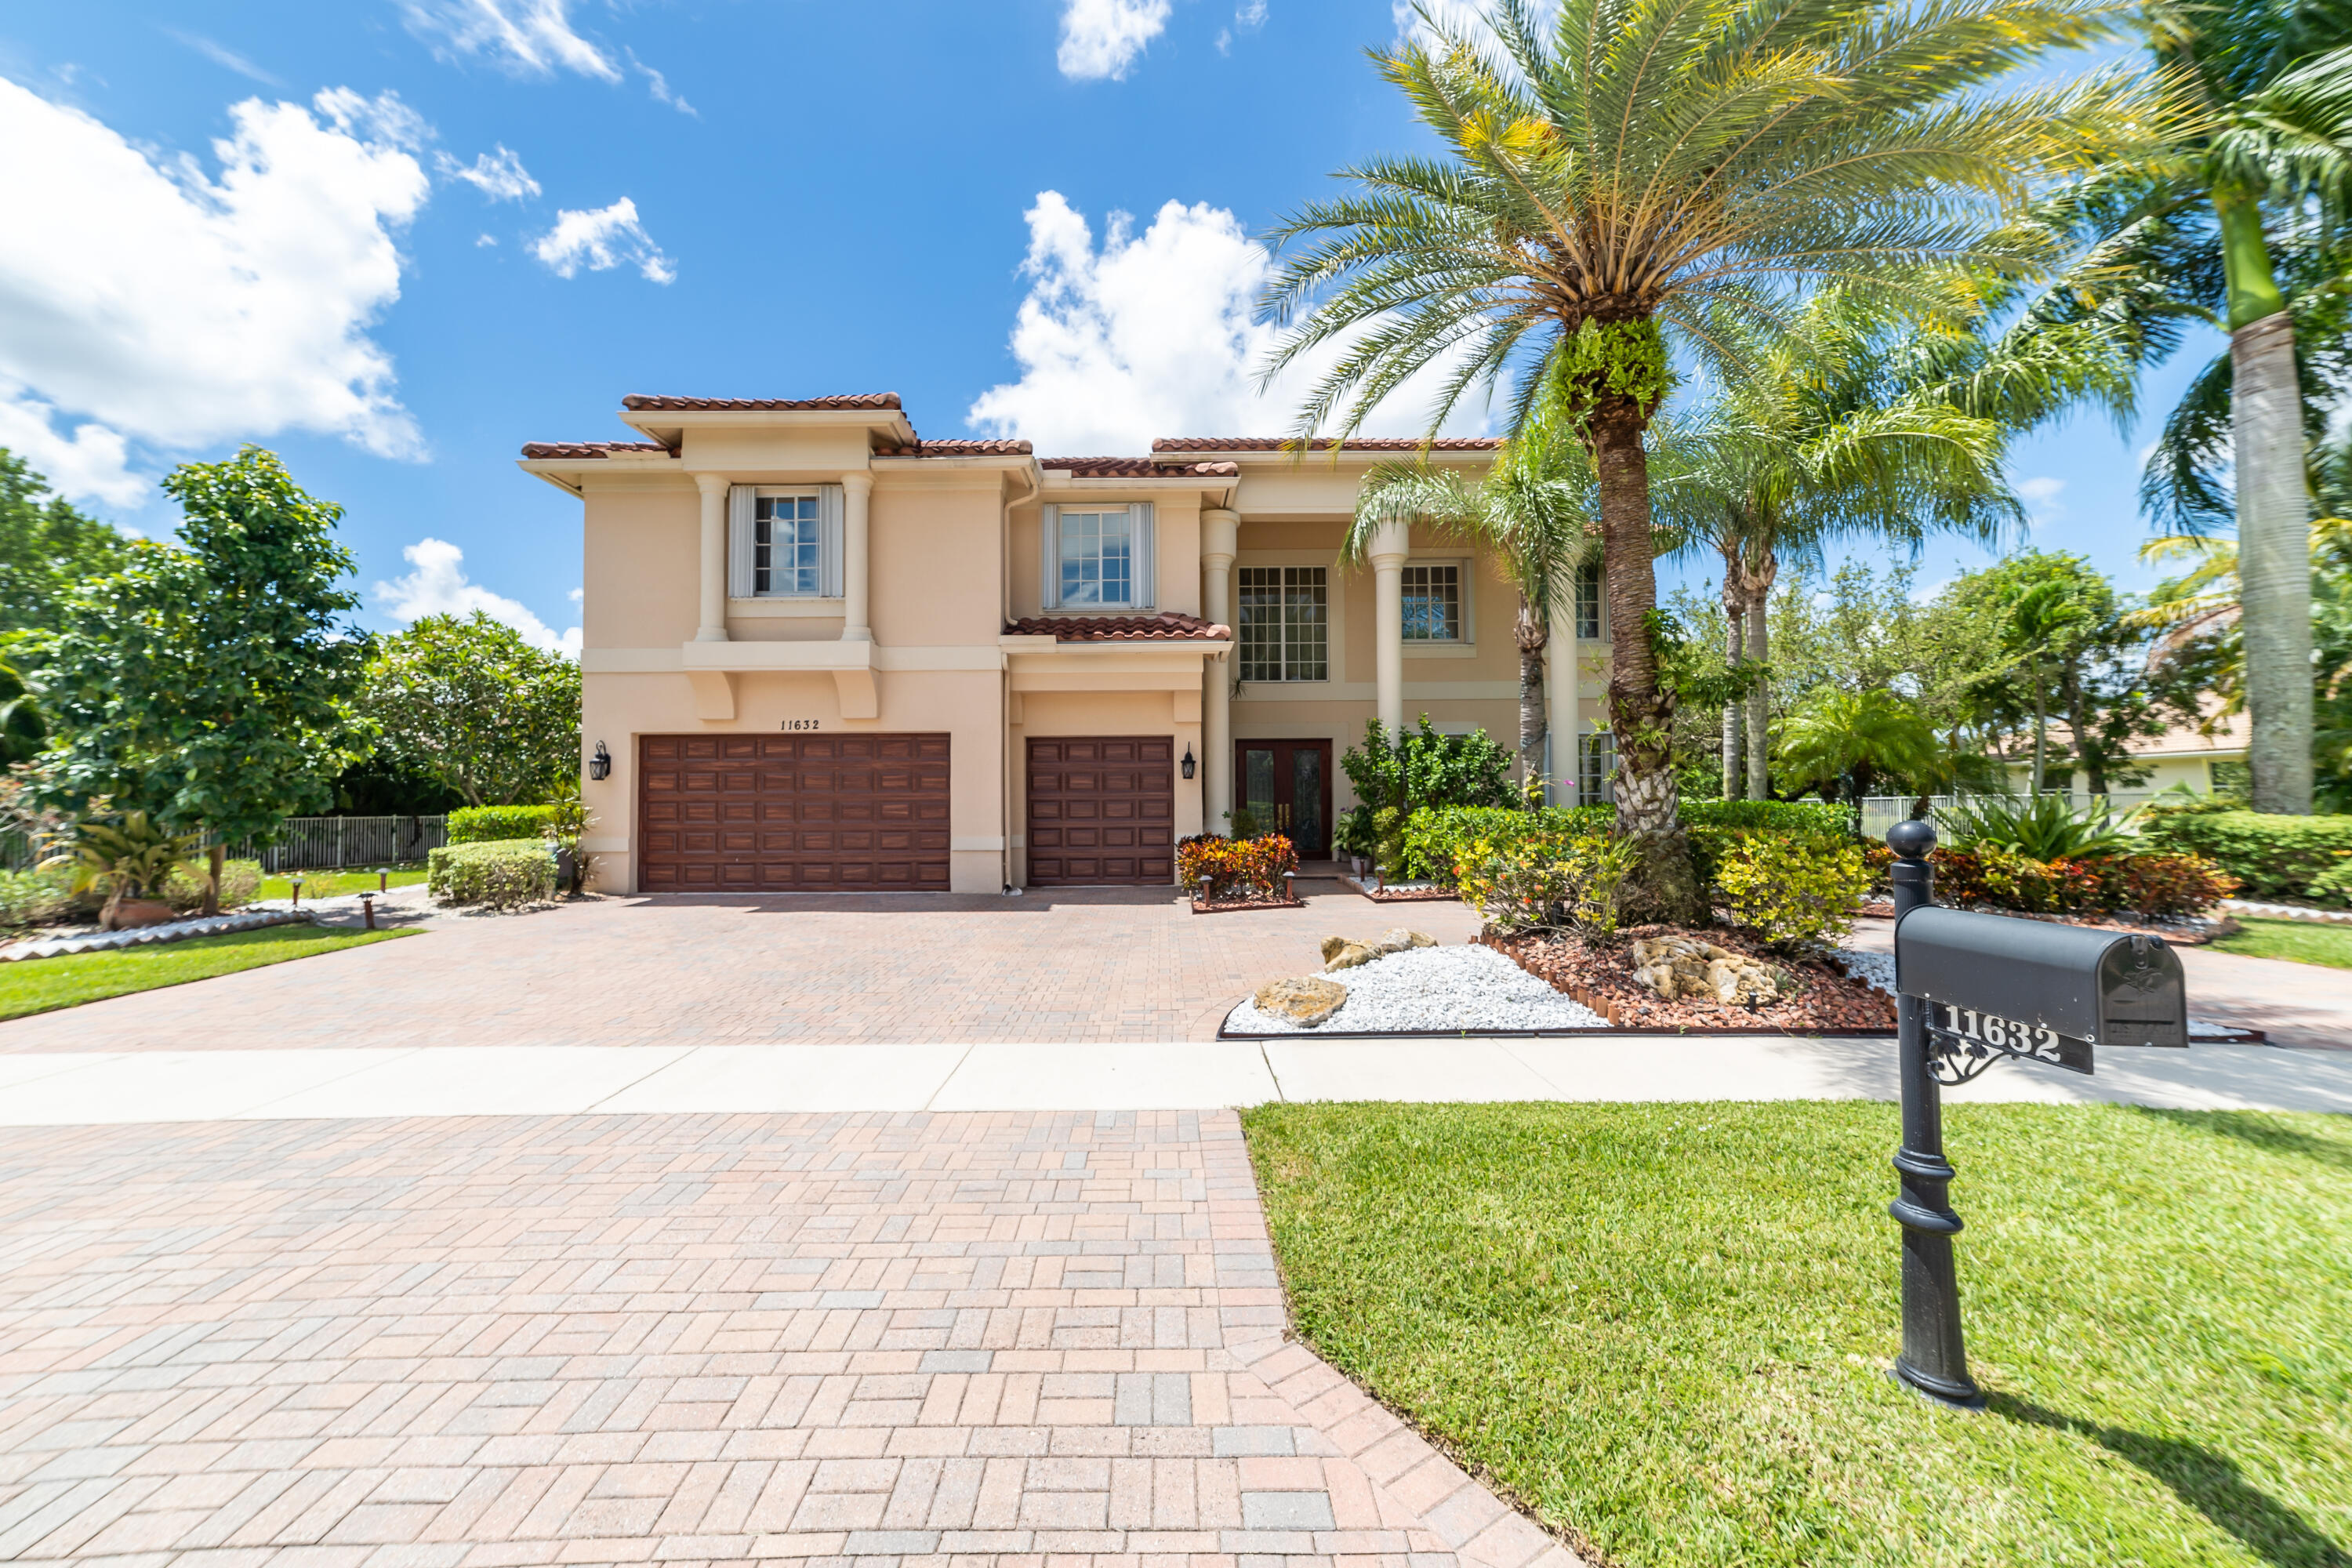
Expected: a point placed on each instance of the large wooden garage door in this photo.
(1102, 810)
(791, 813)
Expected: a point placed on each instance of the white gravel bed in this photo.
(1440, 989)
(1870, 968)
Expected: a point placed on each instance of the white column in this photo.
(1560, 678)
(714, 558)
(1220, 536)
(1388, 554)
(855, 491)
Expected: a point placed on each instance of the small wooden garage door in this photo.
(791, 813)
(1102, 810)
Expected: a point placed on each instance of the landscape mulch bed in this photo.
(2181, 933)
(1227, 906)
(1600, 976)
(1381, 894)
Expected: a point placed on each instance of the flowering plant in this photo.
(1249, 867)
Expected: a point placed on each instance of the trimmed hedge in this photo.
(1433, 840)
(504, 873)
(490, 824)
(2272, 856)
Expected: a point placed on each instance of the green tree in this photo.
(472, 705)
(1622, 185)
(23, 731)
(46, 548)
(208, 683)
(1855, 739)
(1533, 511)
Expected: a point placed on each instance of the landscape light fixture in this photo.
(1188, 761)
(600, 766)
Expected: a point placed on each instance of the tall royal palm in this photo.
(1624, 183)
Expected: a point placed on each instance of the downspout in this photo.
(1037, 480)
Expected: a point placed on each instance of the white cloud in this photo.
(529, 37)
(1151, 334)
(498, 175)
(225, 57)
(142, 300)
(659, 85)
(607, 237)
(1101, 37)
(2041, 496)
(436, 585)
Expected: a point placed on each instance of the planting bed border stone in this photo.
(1230, 906)
(2183, 933)
(1410, 893)
(144, 936)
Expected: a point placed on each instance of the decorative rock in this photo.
(1306, 1000)
(1396, 939)
(1350, 954)
(1331, 946)
(1677, 967)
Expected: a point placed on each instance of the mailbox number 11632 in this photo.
(2036, 1041)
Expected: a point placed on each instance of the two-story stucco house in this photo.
(822, 653)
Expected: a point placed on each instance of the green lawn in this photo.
(333, 884)
(44, 985)
(2302, 942)
(1665, 1328)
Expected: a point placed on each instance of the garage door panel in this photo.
(1100, 810)
(792, 813)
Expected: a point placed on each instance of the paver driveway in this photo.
(915, 1340)
(1078, 965)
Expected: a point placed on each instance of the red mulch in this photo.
(2181, 933)
(1601, 976)
(1387, 895)
(1227, 906)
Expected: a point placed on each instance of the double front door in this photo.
(1285, 787)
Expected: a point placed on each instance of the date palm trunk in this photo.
(1532, 632)
(2273, 514)
(1661, 885)
(1759, 701)
(1734, 631)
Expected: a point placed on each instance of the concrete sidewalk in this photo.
(67, 1088)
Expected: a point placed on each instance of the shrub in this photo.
(2043, 826)
(2334, 887)
(504, 873)
(1546, 882)
(1248, 866)
(35, 896)
(491, 824)
(1792, 889)
(1435, 840)
(240, 881)
(2163, 884)
(1420, 770)
(2271, 856)
(2003, 879)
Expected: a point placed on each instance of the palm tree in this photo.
(1533, 512)
(1833, 433)
(1856, 738)
(2239, 226)
(1636, 182)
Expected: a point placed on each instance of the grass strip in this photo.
(2297, 942)
(44, 984)
(1665, 1328)
(334, 884)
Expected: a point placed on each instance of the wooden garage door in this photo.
(1102, 810)
(791, 813)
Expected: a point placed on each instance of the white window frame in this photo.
(742, 508)
(1591, 594)
(1143, 542)
(1465, 609)
(1330, 624)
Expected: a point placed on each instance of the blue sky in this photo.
(395, 239)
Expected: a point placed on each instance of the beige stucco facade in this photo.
(934, 621)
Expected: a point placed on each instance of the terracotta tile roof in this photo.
(1165, 627)
(848, 400)
(1135, 468)
(957, 449)
(1359, 444)
(587, 448)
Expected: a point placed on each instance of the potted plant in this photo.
(131, 860)
(568, 818)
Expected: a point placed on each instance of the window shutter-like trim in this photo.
(829, 530)
(1146, 555)
(742, 502)
(1049, 559)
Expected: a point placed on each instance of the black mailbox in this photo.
(2031, 989)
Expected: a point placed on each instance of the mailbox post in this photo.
(1934, 1361)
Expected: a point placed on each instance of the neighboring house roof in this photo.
(1165, 627)
(957, 449)
(640, 403)
(1135, 469)
(1359, 444)
(2228, 739)
(587, 448)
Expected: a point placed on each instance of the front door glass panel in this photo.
(1306, 801)
(1285, 787)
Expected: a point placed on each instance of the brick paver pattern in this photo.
(882, 1340)
(1079, 965)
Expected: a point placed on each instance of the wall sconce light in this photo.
(600, 766)
(1188, 761)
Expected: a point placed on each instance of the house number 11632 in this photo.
(800, 723)
(2037, 1041)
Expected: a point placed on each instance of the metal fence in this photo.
(1881, 812)
(322, 842)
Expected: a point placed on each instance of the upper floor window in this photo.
(783, 543)
(1284, 626)
(1588, 602)
(1432, 604)
(1097, 558)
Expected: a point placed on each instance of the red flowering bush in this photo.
(1237, 867)
(2162, 884)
